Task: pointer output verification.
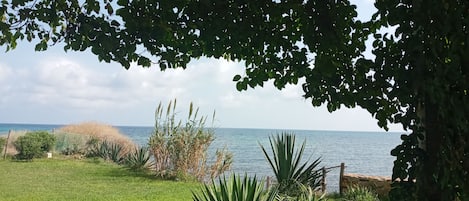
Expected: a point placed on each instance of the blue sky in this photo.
(55, 87)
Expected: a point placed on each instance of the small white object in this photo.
(49, 155)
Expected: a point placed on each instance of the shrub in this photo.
(180, 149)
(358, 193)
(70, 143)
(98, 133)
(292, 177)
(234, 189)
(34, 144)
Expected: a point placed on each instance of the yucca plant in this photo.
(138, 160)
(234, 189)
(292, 175)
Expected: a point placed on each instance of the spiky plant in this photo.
(234, 189)
(138, 160)
(108, 151)
(286, 161)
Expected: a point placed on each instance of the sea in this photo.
(365, 153)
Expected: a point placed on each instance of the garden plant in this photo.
(296, 180)
(34, 145)
(180, 148)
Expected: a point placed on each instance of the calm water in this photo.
(362, 152)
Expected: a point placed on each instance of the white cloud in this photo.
(5, 73)
(5, 82)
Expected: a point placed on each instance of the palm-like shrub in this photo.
(292, 175)
(234, 189)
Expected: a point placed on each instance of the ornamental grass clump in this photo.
(180, 148)
(82, 137)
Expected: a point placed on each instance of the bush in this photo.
(360, 194)
(34, 144)
(80, 137)
(70, 143)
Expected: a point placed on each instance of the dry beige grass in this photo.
(99, 131)
(11, 150)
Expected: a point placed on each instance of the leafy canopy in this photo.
(418, 78)
(279, 40)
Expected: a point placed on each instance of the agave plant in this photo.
(235, 189)
(292, 176)
(107, 151)
(139, 159)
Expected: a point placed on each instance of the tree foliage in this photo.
(418, 78)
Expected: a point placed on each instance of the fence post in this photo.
(6, 144)
(341, 177)
(323, 180)
(267, 183)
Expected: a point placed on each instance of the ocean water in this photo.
(362, 152)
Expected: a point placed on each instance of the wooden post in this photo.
(341, 177)
(6, 144)
(323, 180)
(267, 182)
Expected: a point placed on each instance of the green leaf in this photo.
(237, 78)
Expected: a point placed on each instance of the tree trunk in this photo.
(427, 186)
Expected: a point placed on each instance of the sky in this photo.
(57, 87)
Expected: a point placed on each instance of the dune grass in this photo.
(90, 179)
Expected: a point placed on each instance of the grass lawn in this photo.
(87, 179)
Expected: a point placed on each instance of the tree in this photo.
(418, 78)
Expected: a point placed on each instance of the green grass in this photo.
(67, 179)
